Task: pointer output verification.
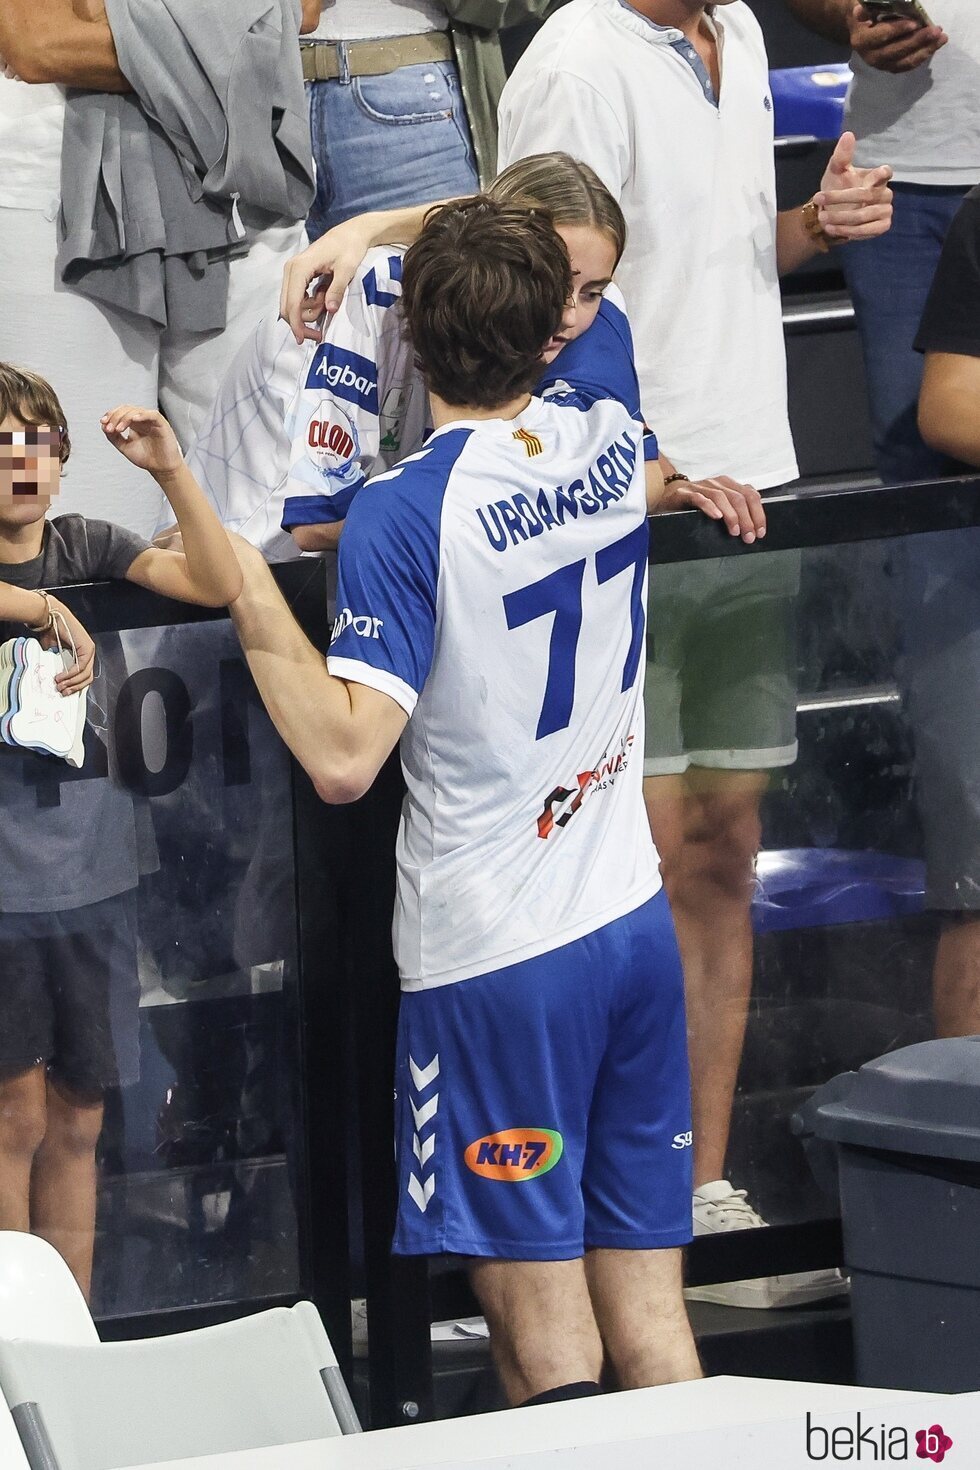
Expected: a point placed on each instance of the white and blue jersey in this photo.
(494, 586)
(295, 430)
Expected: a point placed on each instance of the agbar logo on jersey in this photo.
(348, 376)
(515, 1155)
(363, 625)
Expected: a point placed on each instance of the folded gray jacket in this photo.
(153, 181)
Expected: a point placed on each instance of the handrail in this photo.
(798, 519)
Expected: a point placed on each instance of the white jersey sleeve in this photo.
(241, 455)
(360, 405)
(295, 430)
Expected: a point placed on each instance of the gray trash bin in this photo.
(907, 1130)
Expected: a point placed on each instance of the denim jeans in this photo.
(381, 142)
(889, 280)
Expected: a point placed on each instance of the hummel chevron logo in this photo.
(530, 441)
(424, 1151)
(422, 1076)
(426, 1112)
(421, 1193)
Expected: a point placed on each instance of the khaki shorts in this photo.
(721, 674)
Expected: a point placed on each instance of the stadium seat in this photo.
(808, 101)
(39, 1297)
(805, 887)
(259, 1382)
(12, 1455)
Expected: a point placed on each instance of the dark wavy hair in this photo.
(483, 289)
(29, 397)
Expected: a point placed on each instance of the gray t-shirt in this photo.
(71, 841)
(926, 122)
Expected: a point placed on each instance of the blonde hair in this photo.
(571, 192)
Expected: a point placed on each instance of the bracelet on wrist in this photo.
(813, 227)
(677, 475)
(48, 623)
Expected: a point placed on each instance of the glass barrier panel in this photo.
(147, 917)
(830, 697)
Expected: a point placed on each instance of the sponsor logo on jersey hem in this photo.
(561, 804)
(515, 1155)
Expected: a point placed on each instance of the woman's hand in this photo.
(722, 499)
(332, 261)
(144, 437)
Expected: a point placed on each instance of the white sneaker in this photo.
(719, 1208)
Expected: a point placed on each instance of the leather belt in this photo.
(322, 60)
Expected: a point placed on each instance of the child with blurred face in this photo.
(69, 984)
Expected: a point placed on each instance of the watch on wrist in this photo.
(813, 227)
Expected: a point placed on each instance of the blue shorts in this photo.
(544, 1109)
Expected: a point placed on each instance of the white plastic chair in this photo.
(262, 1381)
(39, 1297)
(12, 1456)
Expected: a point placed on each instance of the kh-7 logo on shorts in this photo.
(515, 1154)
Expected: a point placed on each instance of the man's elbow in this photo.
(29, 62)
(323, 537)
(338, 781)
(936, 425)
(222, 594)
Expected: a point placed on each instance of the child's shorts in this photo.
(69, 994)
(544, 1109)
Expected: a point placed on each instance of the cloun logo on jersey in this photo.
(515, 1154)
(346, 374)
(332, 444)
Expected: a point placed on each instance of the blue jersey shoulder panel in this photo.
(599, 364)
(388, 564)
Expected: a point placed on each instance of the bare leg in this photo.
(639, 1306)
(956, 979)
(64, 1181)
(22, 1122)
(706, 827)
(542, 1329)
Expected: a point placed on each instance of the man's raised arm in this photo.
(341, 733)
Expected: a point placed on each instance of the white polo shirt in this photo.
(697, 185)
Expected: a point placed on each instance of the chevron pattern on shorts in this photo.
(422, 1184)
